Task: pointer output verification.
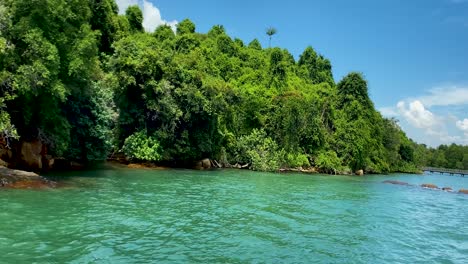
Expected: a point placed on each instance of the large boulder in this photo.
(359, 172)
(203, 164)
(206, 163)
(22, 179)
(31, 155)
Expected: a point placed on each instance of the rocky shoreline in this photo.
(18, 179)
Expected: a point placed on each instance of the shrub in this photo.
(328, 162)
(295, 160)
(139, 146)
(260, 151)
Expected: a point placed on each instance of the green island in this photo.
(81, 83)
(119, 145)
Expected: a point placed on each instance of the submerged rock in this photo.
(397, 183)
(429, 186)
(464, 191)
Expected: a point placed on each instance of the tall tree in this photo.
(270, 32)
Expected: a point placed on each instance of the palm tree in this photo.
(270, 32)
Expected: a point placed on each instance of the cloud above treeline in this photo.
(151, 15)
(445, 96)
(431, 119)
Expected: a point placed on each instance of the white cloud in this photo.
(463, 126)
(152, 18)
(445, 96)
(124, 4)
(417, 115)
(434, 118)
(151, 15)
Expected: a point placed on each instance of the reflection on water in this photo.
(141, 216)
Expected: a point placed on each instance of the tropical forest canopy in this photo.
(89, 82)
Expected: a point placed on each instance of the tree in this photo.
(85, 81)
(465, 161)
(164, 32)
(135, 18)
(270, 32)
(255, 44)
(216, 30)
(104, 19)
(354, 87)
(185, 27)
(406, 152)
(278, 71)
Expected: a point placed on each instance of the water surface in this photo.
(231, 216)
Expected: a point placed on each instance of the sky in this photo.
(414, 54)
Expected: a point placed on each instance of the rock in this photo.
(203, 164)
(3, 163)
(199, 165)
(136, 166)
(309, 170)
(397, 182)
(429, 186)
(464, 191)
(48, 162)
(19, 179)
(447, 189)
(5, 153)
(17, 174)
(31, 157)
(22, 179)
(206, 164)
(146, 166)
(359, 172)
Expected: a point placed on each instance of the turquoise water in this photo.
(231, 216)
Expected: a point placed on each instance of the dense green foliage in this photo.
(453, 156)
(141, 147)
(87, 81)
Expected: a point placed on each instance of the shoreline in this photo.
(21, 179)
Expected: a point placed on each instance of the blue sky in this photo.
(414, 54)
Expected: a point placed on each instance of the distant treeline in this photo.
(452, 156)
(89, 82)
